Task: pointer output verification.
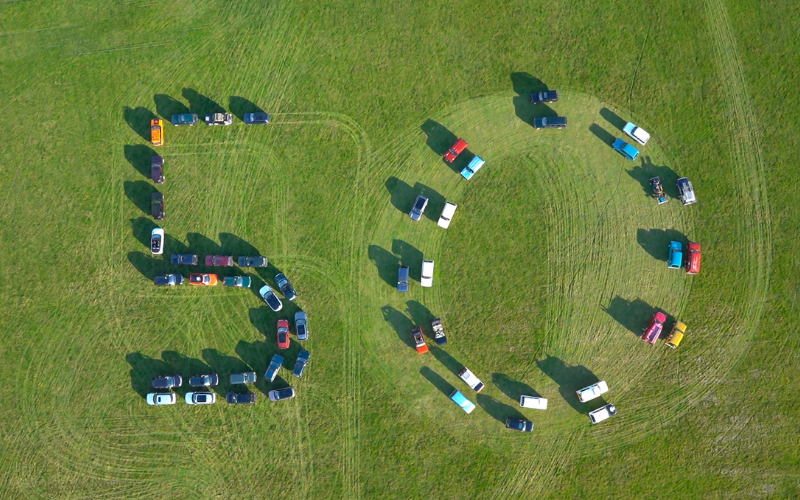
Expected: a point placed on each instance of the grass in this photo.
(550, 268)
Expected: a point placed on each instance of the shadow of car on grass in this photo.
(570, 378)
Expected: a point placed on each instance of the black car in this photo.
(157, 205)
(204, 380)
(550, 122)
(157, 169)
(519, 425)
(286, 288)
(236, 398)
(168, 280)
(545, 96)
(167, 382)
(253, 261)
(402, 279)
(256, 118)
(186, 259)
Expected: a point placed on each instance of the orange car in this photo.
(157, 132)
(203, 279)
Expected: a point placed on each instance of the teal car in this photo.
(474, 165)
(462, 401)
(625, 149)
(237, 281)
(675, 255)
(184, 120)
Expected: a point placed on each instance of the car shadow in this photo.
(513, 388)
(224, 366)
(240, 106)
(231, 244)
(143, 229)
(265, 321)
(409, 256)
(613, 119)
(175, 246)
(257, 355)
(524, 84)
(499, 411)
(633, 315)
(148, 266)
(656, 241)
(139, 120)
(647, 170)
(401, 323)
(143, 370)
(166, 106)
(140, 157)
(402, 195)
(602, 134)
(421, 316)
(434, 378)
(201, 105)
(445, 358)
(139, 192)
(435, 201)
(386, 263)
(569, 379)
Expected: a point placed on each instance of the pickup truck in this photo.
(419, 340)
(438, 331)
(274, 367)
(474, 382)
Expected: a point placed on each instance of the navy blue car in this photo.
(256, 118)
(286, 288)
(519, 425)
(545, 96)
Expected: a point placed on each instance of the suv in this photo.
(157, 241)
(519, 425)
(625, 149)
(157, 169)
(593, 391)
(455, 150)
(602, 413)
(168, 280)
(243, 378)
(253, 261)
(474, 382)
(256, 118)
(636, 133)
(686, 191)
(447, 214)
(219, 261)
(426, 277)
(419, 207)
(300, 364)
(236, 398)
(157, 206)
(653, 330)
(204, 380)
(402, 279)
(301, 325)
(219, 119)
(550, 122)
(185, 259)
(157, 132)
(184, 119)
(274, 367)
(474, 165)
(544, 96)
(167, 382)
(286, 287)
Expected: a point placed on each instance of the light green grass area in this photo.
(553, 264)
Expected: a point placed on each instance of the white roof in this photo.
(533, 402)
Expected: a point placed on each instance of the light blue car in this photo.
(625, 149)
(462, 401)
(675, 255)
(474, 165)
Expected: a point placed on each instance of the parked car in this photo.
(157, 241)
(653, 330)
(602, 413)
(686, 191)
(185, 259)
(447, 214)
(301, 325)
(283, 334)
(243, 378)
(638, 134)
(168, 280)
(402, 279)
(519, 425)
(201, 398)
(237, 281)
(209, 380)
(270, 298)
(544, 96)
(239, 398)
(253, 261)
(167, 382)
(157, 206)
(219, 119)
(184, 120)
(256, 118)
(462, 401)
(279, 394)
(300, 364)
(438, 331)
(475, 164)
(455, 150)
(219, 260)
(419, 340)
(693, 259)
(161, 398)
(157, 169)
(675, 259)
(426, 277)
(474, 382)
(203, 279)
(676, 335)
(658, 190)
(533, 402)
(157, 132)
(419, 207)
(593, 391)
(274, 367)
(625, 149)
(286, 287)
(550, 122)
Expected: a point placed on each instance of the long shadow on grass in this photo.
(569, 380)
(647, 170)
(150, 267)
(139, 192)
(234, 245)
(143, 370)
(139, 120)
(409, 256)
(386, 263)
(402, 195)
(167, 106)
(240, 106)
(499, 411)
(421, 316)
(513, 388)
(602, 134)
(401, 323)
(437, 381)
(200, 104)
(142, 230)
(140, 157)
(445, 359)
(613, 119)
(656, 241)
(524, 84)
(633, 315)
(224, 365)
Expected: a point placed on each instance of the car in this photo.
(184, 120)
(274, 367)
(693, 259)
(219, 260)
(161, 398)
(658, 190)
(474, 382)
(200, 398)
(167, 381)
(157, 241)
(419, 340)
(218, 119)
(625, 149)
(653, 330)
(203, 279)
(270, 298)
(256, 118)
(544, 96)
(286, 287)
(456, 149)
(519, 425)
(168, 280)
(550, 122)
(185, 259)
(426, 276)
(243, 378)
(675, 258)
(301, 325)
(283, 334)
(447, 214)
(638, 134)
(593, 391)
(676, 335)
(157, 169)
(279, 394)
(402, 279)
(602, 413)
(475, 164)
(462, 401)
(438, 331)
(157, 206)
(157, 132)
(237, 281)
(686, 191)
(300, 364)
(533, 402)
(419, 207)
(253, 261)
(239, 398)
(209, 380)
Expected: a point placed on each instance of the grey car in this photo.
(253, 261)
(550, 122)
(419, 207)
(300, 364)
(256, 118)
(168, 280)
(209, 380)
(278, 394)
(167, 382)
(274, 367)
(243, 378)
(183, 259)
(301, 325)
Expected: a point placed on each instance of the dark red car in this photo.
(655, 328)
(693, 259)
(219, 260)
(455, 150)
(283, 334)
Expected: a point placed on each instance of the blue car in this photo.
(474, 165)
(462, 401)
(625, 149)
(184, 119)
(300, 364)
(675, 255)
(256, 118)
(274, 367)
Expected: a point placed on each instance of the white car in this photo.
(161, 398)
(200, 398)
(636, 133)
(533, 402)
(602, 413)
(447, 214)
(592, 391)
(157, 241)
(471, 380)
(426, 279)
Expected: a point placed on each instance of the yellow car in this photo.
(676, 335)
(157, 132)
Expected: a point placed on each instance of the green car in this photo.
(237, 281)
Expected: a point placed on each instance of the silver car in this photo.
(161, 398)
(419, 207)
(200, 398)
(278, 394)
(301, 325)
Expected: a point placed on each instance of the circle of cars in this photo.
(651, 333)
(266, 292)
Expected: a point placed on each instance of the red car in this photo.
(654, 328)
(203, 279)
(283, 334)
(455, 150)
(693, 259)
(219, 260)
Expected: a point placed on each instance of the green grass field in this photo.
(553, 264)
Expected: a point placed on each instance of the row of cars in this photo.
(190, 120)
